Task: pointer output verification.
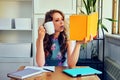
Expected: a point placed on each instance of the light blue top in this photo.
(56, 57)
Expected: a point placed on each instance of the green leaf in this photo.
(103, 27)
(109, 19)
(83, 46)
(94, 5)
(82, 12)
(89, 6)
(86, 6)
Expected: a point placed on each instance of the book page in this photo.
(43, 69)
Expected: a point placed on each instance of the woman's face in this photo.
(58, 22)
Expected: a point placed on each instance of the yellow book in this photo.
(83, 25)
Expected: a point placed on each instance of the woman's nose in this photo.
(62, 22)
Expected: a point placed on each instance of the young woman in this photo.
(56, 49)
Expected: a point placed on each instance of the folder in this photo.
(83, 25)
(83, 71)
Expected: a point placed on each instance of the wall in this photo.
(112, 41)
(107, 13)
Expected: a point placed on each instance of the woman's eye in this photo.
(59, 20)
(56, 20)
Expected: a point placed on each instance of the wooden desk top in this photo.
(58, 75)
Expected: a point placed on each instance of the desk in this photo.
(58, 75)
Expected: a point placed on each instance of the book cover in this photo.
(25, 73)
(83, 25)
(83, 71)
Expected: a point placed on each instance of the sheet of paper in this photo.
(43, 69)
(52, 68)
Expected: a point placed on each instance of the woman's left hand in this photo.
(85, 40)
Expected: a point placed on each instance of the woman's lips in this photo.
(61, 26)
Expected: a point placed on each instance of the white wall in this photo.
(107, 13)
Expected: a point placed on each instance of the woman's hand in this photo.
(85, 40)
(41, 33)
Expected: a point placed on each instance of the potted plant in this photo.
(90, 7)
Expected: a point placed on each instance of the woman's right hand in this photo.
(41, 33)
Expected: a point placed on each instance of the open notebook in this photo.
(83, 71)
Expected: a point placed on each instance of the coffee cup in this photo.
(49, 26)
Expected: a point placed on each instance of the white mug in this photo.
(49, 26)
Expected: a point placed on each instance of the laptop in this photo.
(81, 71)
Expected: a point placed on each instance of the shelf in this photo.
(15, 50)
(98, 39)
(16, 8)
(89, 61)
(40, 8)
(15, 0)
(15, 29)
(16, 41)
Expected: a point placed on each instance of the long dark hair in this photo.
(62, 38)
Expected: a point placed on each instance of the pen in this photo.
(48, 70)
